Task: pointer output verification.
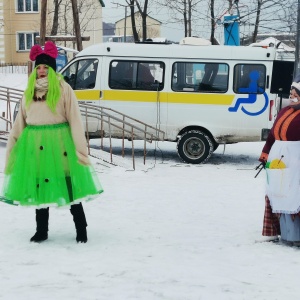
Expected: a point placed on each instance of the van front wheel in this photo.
(195, 147)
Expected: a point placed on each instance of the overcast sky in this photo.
(272, 19)
(114, 10)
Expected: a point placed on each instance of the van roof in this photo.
(179, 51)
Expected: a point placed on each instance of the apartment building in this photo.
(20, 25)
(1, 32)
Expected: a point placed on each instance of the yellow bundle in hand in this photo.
(277, 164)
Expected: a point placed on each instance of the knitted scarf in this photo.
(41, 86)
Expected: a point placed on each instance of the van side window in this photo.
(200, 77)
(136, 75)
(81, 75)
(249, 79)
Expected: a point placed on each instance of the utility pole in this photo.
(44, 21)
(125, 20)
(296, 66)
(76, 25)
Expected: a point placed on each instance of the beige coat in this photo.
(38, 113)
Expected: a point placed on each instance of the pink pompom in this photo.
(35, 51)
(50, 49)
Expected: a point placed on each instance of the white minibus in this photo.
(200, 96)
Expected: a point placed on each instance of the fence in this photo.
(128, 128)
(15, 68)
(8, 99)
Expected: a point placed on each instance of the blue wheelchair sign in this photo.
(252, 89)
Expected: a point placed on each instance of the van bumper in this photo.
(264, 134)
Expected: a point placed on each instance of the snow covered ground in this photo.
(167, 230)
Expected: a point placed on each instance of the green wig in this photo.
(54, 92)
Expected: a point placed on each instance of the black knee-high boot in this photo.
(42, 218)
(80, 222)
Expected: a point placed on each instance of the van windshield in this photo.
(81, 75)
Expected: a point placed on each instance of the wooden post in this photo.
(29, 66)
(77, 25)
(43, 21)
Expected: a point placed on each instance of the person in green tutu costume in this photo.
(47, 162)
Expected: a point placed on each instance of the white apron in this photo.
(283, 185)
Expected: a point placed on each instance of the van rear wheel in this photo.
(195, 147)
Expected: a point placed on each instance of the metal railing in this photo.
(121, 126)
(8, 96)
(113, 124)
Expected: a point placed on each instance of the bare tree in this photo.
(62, 16)
(288, 18)
(182, 11)
(212, 22)
(269, 15)
(143, 13)
(55, 17)
(138, 19)
(256, 25)
(132, 17)
(207, 16)
(254, 16)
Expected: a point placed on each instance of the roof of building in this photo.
(273, 42)
(139, 13)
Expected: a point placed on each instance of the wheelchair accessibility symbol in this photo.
(252, 89)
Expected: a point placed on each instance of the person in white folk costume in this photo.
(281, 157)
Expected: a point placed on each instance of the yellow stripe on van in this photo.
(171, 97)
(195, 98)
(88, 94)
(136, 96)
(150, 96)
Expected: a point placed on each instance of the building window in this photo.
(26, 40)
(27, 5)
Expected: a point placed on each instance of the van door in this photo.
(252, 104)
(136, 89)
(83, 75)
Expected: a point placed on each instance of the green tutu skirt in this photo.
(43, 170)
